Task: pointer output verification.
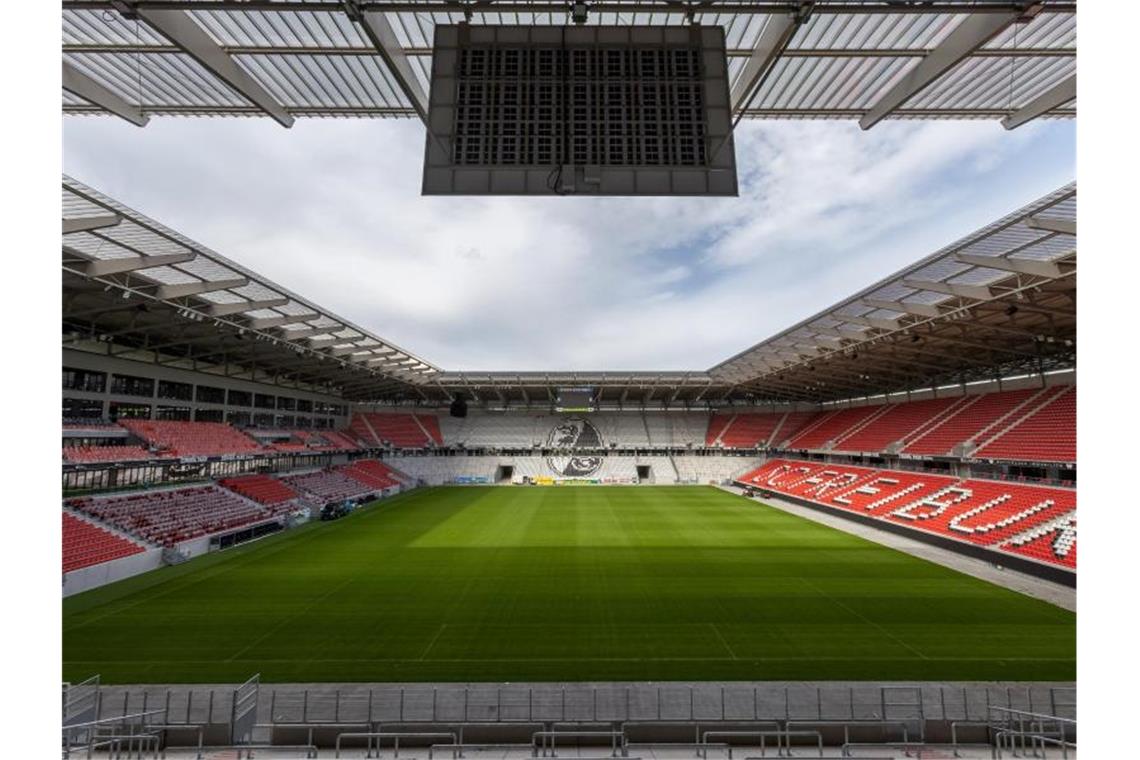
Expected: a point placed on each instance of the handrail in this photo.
(116, 743)
(847, 724)
(311, 750)
(396, 735)
(101, 721)
(905, 746)
(787, 743)
(458, 748)
(998, 748)
(742, 734)
(1043, 716)
(197, 727)
(617, 739)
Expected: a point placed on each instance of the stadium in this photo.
(284, 535)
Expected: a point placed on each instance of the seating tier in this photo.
(999, 515)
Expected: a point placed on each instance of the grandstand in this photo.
(259, 491)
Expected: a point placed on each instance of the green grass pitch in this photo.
(589, 583)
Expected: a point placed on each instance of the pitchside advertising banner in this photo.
(546, 480)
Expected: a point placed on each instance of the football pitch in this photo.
(563, 584)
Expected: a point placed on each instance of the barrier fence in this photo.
(582, 703)
(1015, 718)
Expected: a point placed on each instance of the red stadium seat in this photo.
(86, 544)
(983, 412)
(171, 516)
(1048, 434)
(94, 454)
(192, 439)
(328, 485)
(372, 473)
(408, 431)
(260, 488)
(832, 425)
(893, 425)
(1009, 517)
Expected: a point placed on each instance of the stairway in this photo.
(776, 431)
(375, 438)
(723, 430)
(920, 432)
(859, 425)
(427, 435)
(819, 421)
(1033, 404)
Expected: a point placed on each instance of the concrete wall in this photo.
(95, 576)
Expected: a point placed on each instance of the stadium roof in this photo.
(852, 59)
(142, 290)
(998, 303)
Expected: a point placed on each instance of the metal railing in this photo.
(1029, 717)
(547, 741)
(636, 703)
(88, 735)
(1025, 733)
(395, 736)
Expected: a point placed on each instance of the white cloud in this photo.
(331, 209)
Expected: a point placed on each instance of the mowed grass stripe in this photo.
(591, 583)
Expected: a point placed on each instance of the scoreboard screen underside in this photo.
(522, 110)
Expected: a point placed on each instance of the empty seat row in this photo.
(260, 488)
(1031, 424)
(171, 516)
(1048, 434)
(192, 439)
(995, 514)
(86, 544)
(372, 473)
(402, 430)
(90, 454)
(328, 485)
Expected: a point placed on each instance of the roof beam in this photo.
(130, 263)
(167, 292)
(974, 31)
(298, 334)
(1020, 266)
(383, 37)
(89, 223)
(881, 324)
(343, 350)
(83, 86)
(1052, 224)
(224, 309)
(262, 323)
(1055, 97)
(976, 292)
(181, 29)
(771, 43)
(906, 307)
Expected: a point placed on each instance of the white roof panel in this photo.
(314, 60)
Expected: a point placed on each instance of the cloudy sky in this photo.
(331, 209)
